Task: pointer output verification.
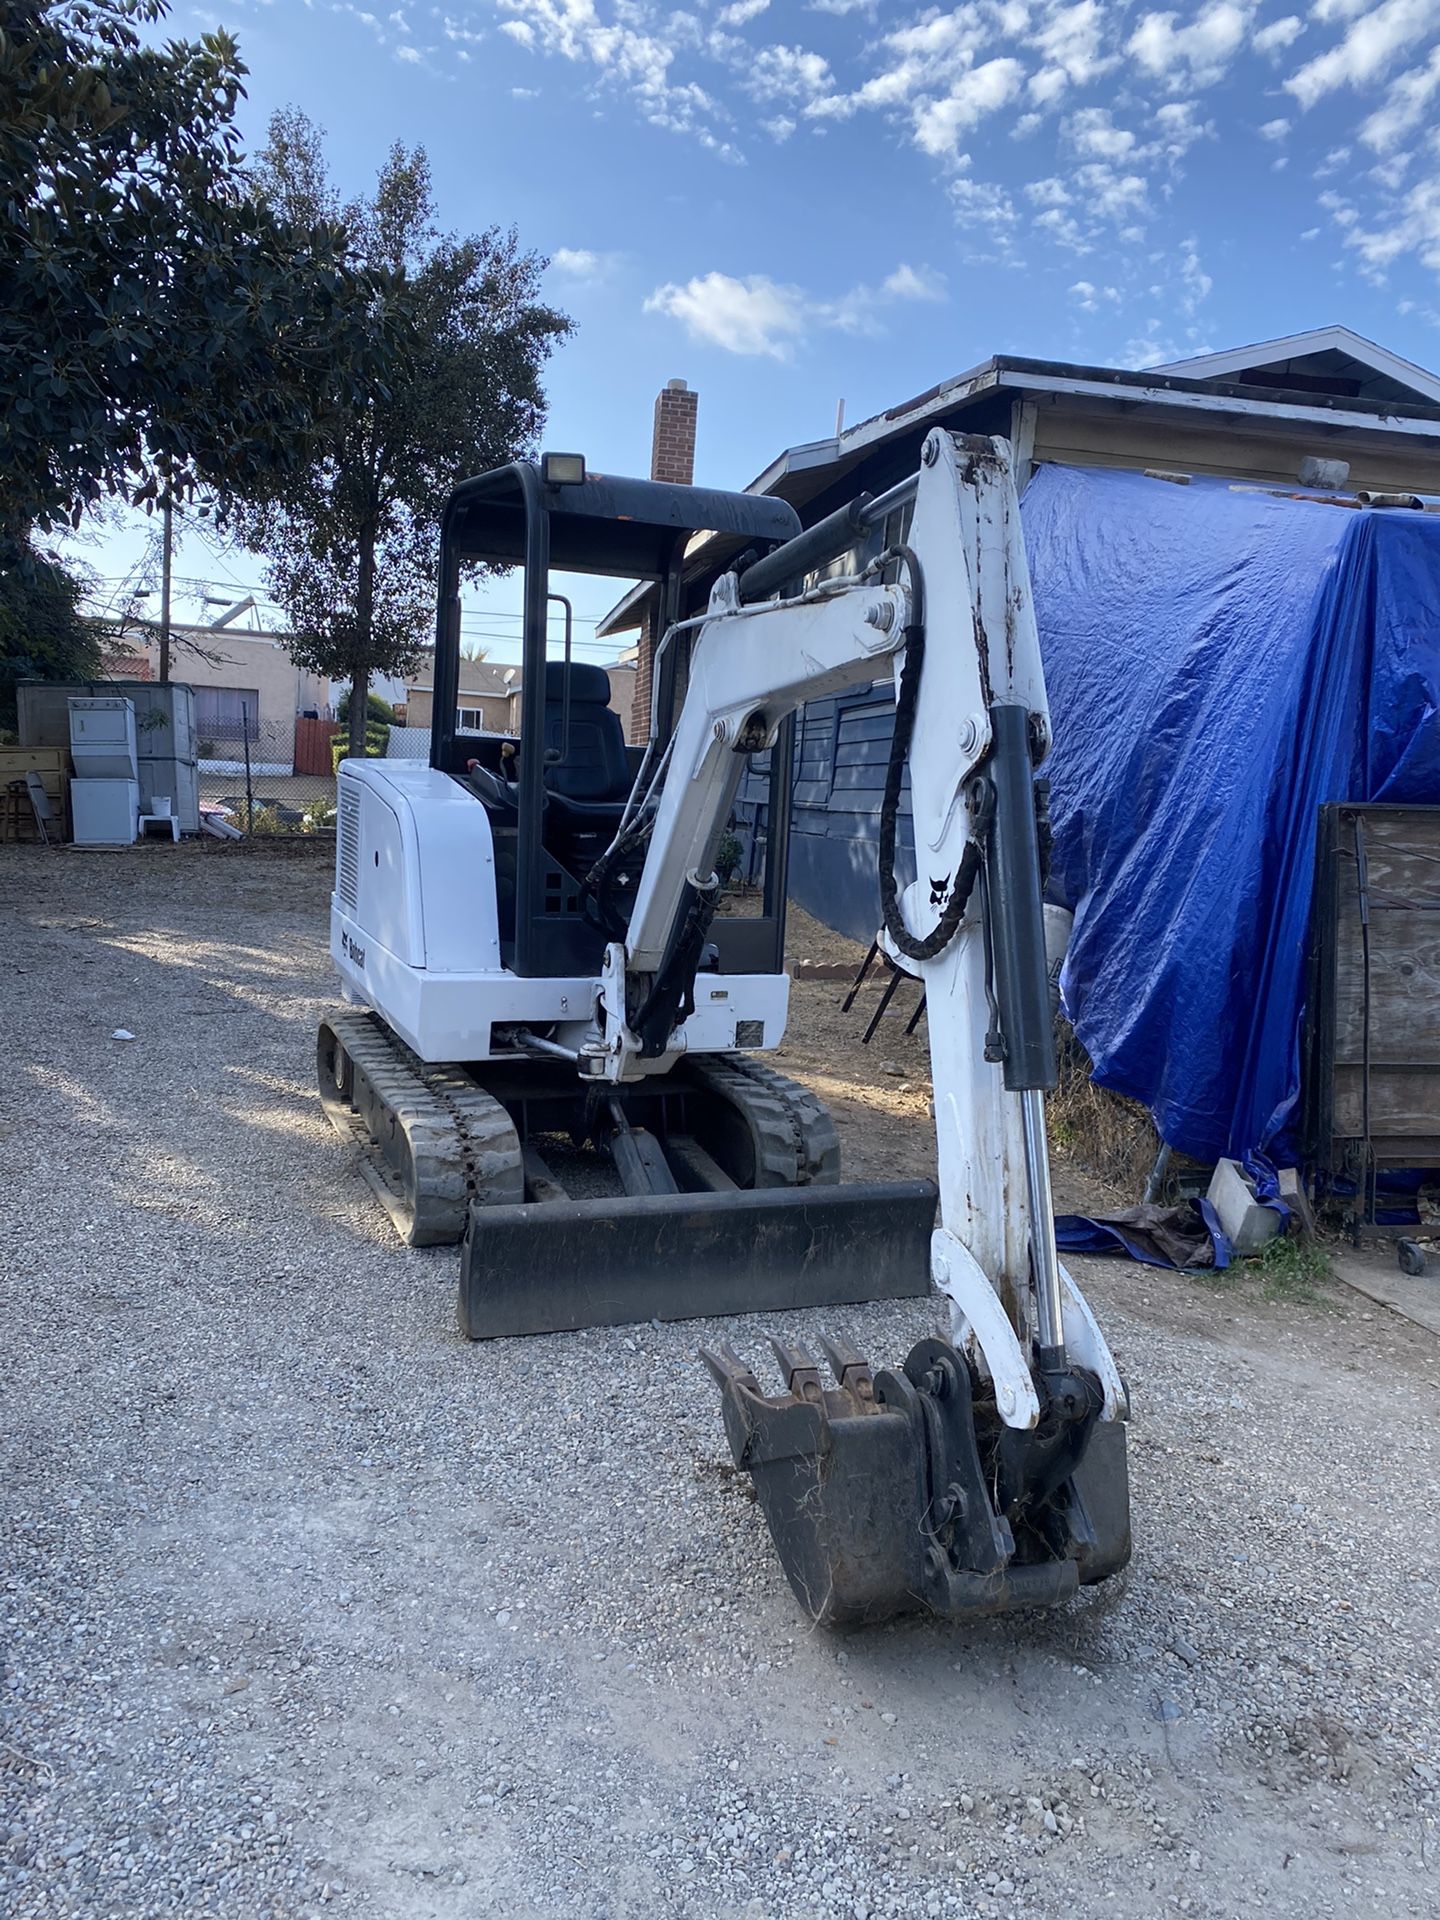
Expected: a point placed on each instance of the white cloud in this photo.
(1178, 128)
(980, 203)
(759, 317)
(914, 283)
(1070, 42)
(411, 55)
(582, 263)
(626, 54)
(740, 11)
(1414, 227)
(1278, 35)
(786, 73)
(1089, 297)
(1274, 129)
(1372, 42)
(752, 316)
(980, 91)
(1196, 54)
(1093, 134)
(1404, 106)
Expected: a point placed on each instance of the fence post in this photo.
(249, 789)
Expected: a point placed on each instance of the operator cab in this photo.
(556, 794)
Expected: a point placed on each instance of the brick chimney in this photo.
(672, 451)
(672, 458)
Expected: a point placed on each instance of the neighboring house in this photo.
(1258, 416)
(489, 700)
(485, 700)
(248, 692)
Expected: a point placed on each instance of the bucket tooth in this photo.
(798, 1370)
(726, 1365)
(850, 1367)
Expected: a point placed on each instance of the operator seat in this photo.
(588, 787)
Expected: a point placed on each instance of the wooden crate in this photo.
(1372, 1051)
(17, 760)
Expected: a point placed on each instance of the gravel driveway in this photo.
(309, 1606)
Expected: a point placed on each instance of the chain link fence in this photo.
(270, 776)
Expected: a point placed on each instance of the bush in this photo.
(728, 856)
(376, 739)
(378, 712)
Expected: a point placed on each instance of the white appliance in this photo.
(102, 738)
(105, 793)
(106, 813)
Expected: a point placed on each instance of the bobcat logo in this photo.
(938, 890)
(352, 949)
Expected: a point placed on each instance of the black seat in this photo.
(589, 785)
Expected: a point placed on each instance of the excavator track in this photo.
(793, 1138)
(430, 1142)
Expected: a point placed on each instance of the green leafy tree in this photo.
(43, 633)
(350, 542)
(161, 326)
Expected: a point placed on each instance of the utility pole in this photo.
(168, 541)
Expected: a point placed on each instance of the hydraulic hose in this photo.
(972, 860)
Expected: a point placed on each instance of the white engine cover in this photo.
(414, 930)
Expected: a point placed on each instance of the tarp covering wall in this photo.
(1219, 663)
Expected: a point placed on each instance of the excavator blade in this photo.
(883, 1496)
(556, 1266)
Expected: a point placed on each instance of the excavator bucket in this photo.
(554, 1266)
(890, 1493)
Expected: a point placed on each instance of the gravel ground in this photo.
(310, 1607)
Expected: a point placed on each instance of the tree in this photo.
(160, 328)
(350, 541)
(160, 325)
(43, 634)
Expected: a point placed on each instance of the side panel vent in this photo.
(347, 845)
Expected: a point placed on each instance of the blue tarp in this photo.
(1220, 662)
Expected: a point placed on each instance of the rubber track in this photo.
(796, 1144)
(460, 1144)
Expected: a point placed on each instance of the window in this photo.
(230, 714)
(470, 719)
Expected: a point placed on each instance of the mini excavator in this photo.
(561, 1065)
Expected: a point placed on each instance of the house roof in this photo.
(1329, 374)
(1334, 355)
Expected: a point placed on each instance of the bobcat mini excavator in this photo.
(563, 1064)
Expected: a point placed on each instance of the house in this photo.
(489, 699)
(487, 691)
(1323, 408)
(248, 691)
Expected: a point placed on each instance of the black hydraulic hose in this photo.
(973, 857)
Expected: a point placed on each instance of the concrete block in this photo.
(1315, 472)
(1292, 1192)
(1247, 1225)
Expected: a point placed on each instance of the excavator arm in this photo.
(990, 1471)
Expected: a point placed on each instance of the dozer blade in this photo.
(555, 1266)
(881, 1491)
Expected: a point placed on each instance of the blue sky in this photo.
(791, 203)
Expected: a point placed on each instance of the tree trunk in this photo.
(365, 620)
(359, 699)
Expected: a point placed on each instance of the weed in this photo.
(1295, 1271)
